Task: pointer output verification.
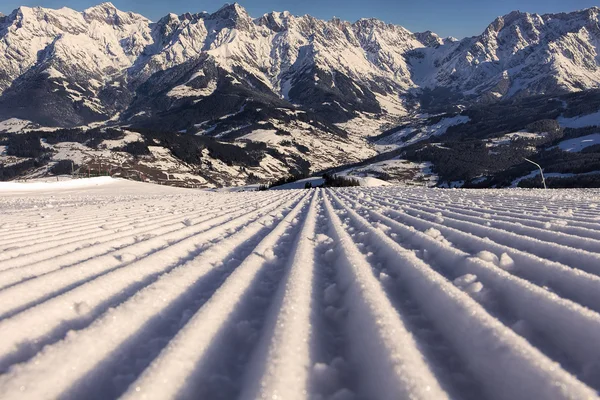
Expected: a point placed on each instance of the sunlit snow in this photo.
(112, 288)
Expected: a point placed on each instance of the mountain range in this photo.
(67, 68)
(227, 75)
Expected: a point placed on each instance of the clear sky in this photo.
(457, 18)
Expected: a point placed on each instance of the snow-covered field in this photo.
(580, 143)
(509, 137)
(112, 288)
(417, 134)
(580, 121)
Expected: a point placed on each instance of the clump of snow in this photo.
(506, 262)
(331, 294)
(434, 233)
(325, 378)
(488, 256)
(465, 280)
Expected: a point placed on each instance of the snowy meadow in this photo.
(118, 289)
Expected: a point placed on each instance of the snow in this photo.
(130, 137)
(97, 44)
(264, 135)
(118, 289)
(509, 137)
(425, 131)
(369, 181)
(107, 46)
(52, 184)
(580, 143)
(365, 125)
(580, 121)
(391, 104)
(14, 125)
(183, 91)
(53, 73)
(396, 170)
(441, 127)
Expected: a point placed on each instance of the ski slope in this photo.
(116, 289)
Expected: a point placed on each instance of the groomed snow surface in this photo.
(115, 289)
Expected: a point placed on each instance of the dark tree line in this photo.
(188, 148)
(284, 181)
(25, 145)
(136, 149)
(8, 172)
(333, 180)
(585, 181)
(64, 167)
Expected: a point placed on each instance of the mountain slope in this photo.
(66, 61)
(519, 54)
(91, 66)
(312, 91)
(487, 145)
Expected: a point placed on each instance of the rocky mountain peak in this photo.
(232, 11)
(108, 13)
(275, 21)
(522, 21)
(232, 16)
(429, 38)
(107, 7)
(369, 23)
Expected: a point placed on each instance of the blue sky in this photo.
(457, 18)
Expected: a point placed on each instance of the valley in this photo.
(225, 99)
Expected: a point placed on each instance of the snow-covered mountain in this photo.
(519, 54)
(63, 67)
(314, 94)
